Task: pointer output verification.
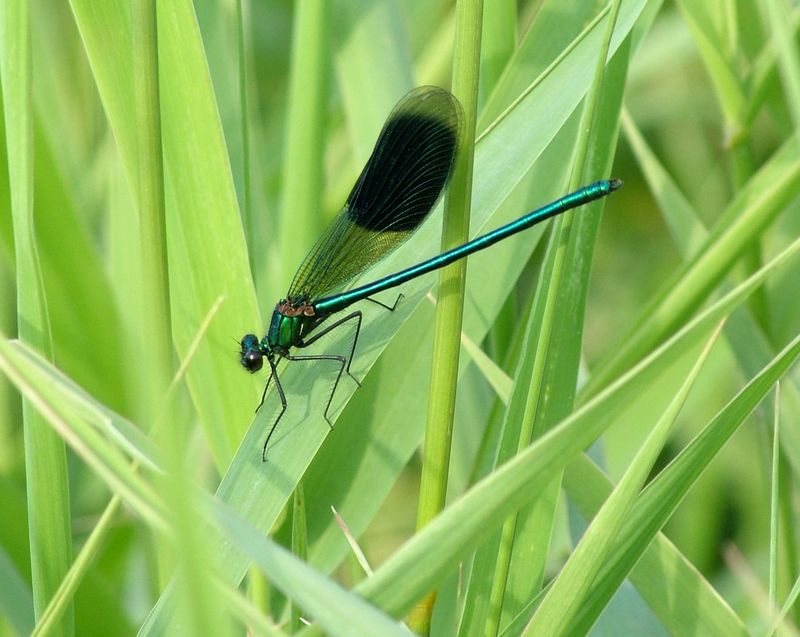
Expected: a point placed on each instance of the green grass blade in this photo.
(490, 571)
(332, 608)
(72, 580)
(774, 507)
(302, 165)
(665, 492)
(397, 583)
(207, 256)
(729, 91)
(547, 36)
(745, 219)
(204, 231)
(565, 597)
(788, 59)
(155, 315)
(367, 30)
(47, 481)
(86, 425)
(552, 384)
(450, 291)
(358, 491)
(497, 44)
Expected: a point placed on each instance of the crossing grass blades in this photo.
(403, 179)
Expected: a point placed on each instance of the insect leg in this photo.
(355, 315)
(282, 396)
(326, 357)
(273, 372)
(392, 307)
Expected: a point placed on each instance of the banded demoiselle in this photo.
(403, 179)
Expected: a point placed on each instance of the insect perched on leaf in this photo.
(403, 179)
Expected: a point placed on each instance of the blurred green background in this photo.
(708, 100)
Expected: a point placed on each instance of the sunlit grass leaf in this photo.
(425, 559)
(205, 238)
(331, 607)
(747, 216)
(566, 594)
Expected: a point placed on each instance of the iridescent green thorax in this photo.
(290, 321)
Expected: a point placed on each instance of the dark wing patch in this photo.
(405, 175)
(403, 179)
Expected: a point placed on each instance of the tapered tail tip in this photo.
(615, 184)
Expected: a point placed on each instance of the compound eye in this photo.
(249, 341)
(252, 361)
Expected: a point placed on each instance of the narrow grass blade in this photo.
(664, 577)
(552, 384)
(521, 154)
(36, 380)
(745, 218)
(426, 558)
(47, 480)
(665, 492)
(204, 232)
(566, 595)
(729, 89)
(155, 316)
(452, 283)
(332, 608)
(366, 30)
(774, 508)
(302, 182)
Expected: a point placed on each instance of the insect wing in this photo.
(403, 179)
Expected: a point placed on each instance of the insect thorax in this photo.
(289, 322)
